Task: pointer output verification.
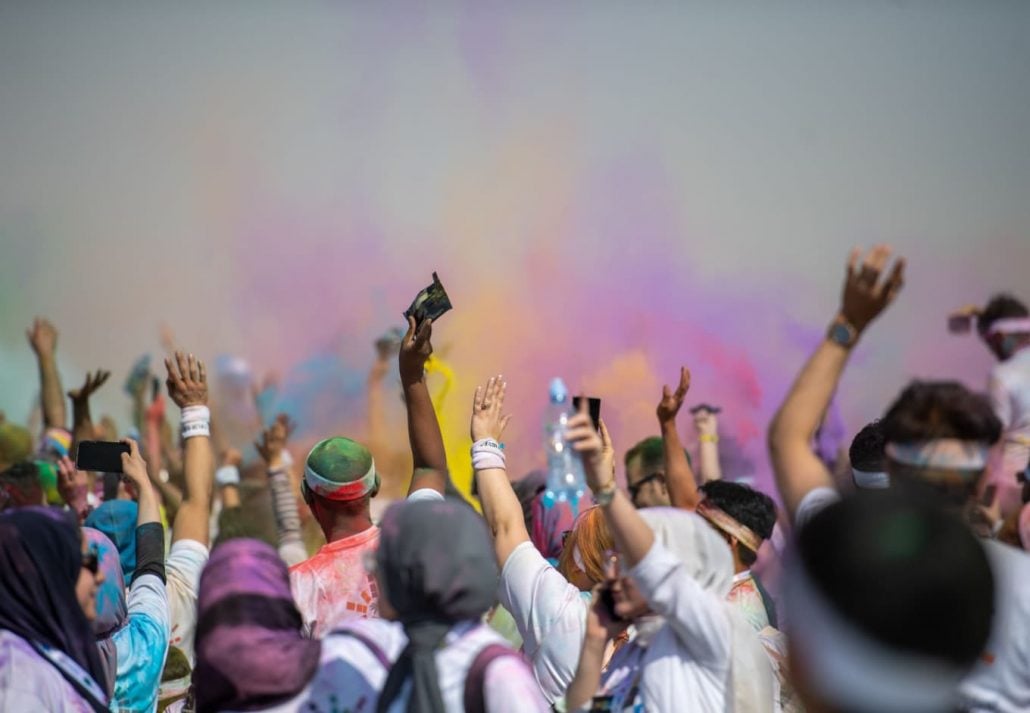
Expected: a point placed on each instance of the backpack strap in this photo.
(475, 679)
(372, 646)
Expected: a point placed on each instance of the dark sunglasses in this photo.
(91, 560)
(635, 488)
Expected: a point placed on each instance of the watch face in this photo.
(840, 334)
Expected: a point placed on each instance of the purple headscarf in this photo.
(549, 525)
(250, 650)
(40, 562)
(112, 611)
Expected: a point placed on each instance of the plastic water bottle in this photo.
(565, 479)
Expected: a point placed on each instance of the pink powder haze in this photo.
(606, 193)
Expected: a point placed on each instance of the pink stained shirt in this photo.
(332, 585)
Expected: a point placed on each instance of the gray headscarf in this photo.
(436, 568)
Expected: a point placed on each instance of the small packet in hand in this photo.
(431, 303)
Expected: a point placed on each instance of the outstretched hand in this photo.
(865, 294)
(416, 348)
(586, 441)
(73, 485)
(92, 383)
(672, 401)
(273, 440)
(487, 408)
(187, 380)
(42, 337)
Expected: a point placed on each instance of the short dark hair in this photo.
(895, 566)
(1001, 306)
(928, 410)
(651, 451)
(21, 481)
(748, 506)
(866, 452)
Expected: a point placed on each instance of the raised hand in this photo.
(416, 348)
(73, 485)
(134, 467)
(586, 441)
(42, 337)
(187, 380)
(273, 440)
(865, 294)
(672, 401)
(92, 383)
(487, 407)
(706, 423)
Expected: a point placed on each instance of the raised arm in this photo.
(679, 477)
(284, 502)
(797, 468)
(43, 340)
(707, 425)
(427, 449)
(82, 420)
(501, 506)
(187, 387)
(135, 469)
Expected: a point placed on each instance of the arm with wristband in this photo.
(187, 387)
(427, 449)
(501, 506)
(797, 468)
(707, 425)
(272, 448)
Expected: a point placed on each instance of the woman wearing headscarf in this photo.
(702, 654)
(549, 604)
(132, 630)
(48, 581)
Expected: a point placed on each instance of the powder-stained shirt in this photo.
(28, 682)
(142, 644)
(746, 596)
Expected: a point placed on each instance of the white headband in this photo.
(949, 453)
(1010, 325)
(851, 670)
(332, 490)
(868, 480)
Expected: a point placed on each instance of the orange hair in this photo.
(591, 535)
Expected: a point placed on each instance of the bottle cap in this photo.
(559, 392)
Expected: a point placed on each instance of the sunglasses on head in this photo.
(635, 488)
(91, 560)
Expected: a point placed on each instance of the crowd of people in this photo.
(902, 587)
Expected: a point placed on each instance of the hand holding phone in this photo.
(430, 303)
(594, 405)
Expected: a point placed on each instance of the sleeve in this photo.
(815, 501)
(696, 615)
(150, 550)
(147, 597)
(509, 687)
(185, 563)
(143, 643)
(287, 519)
(541, 601)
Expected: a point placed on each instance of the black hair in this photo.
(21, 475)
(866, 452)
(1001, 306)
(895, 567)
(748, 506)
(928, 410)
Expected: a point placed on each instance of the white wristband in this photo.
(227, 475)
(486, 454)
(196, 421)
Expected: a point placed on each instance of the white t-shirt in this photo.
(183, 566)
(1001, 680)
(1009, 388)
(550, 614)
(351, 676)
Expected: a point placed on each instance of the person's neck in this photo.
(343, 526)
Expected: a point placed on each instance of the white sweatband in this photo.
(196, 421)
(868, 480)
(1011, 325)
(286, 458)
(332, 490)
(486, 454)
(950, 453)
(227, 475)
(850, 670)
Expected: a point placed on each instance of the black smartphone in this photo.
(705, 407)
(430, 303)
(593, 405)
(608, 602)
(101, 456)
